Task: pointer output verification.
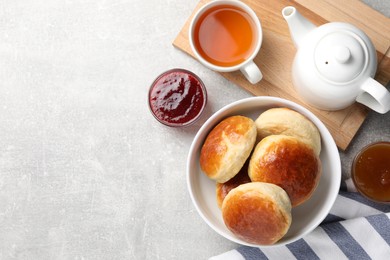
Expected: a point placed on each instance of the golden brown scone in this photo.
(258, 213)
(227, 147)
(222, 189)
(288, 162)
(285, 121)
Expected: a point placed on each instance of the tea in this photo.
(371, 172)
(225, 35)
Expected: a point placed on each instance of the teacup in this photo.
(226, 36)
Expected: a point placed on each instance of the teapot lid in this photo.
(340, 56)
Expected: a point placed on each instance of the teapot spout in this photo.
(298, 25)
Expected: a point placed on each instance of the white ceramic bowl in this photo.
(306, 216)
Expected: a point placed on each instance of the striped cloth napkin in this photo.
(355, 228)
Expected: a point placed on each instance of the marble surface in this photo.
(86, 172)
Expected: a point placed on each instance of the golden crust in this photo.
(227, 147)
(222, 189)
(287, 162)
(258, 213)
(285, 121)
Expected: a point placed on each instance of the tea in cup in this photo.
(226, 36)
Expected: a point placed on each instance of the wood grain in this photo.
(277, 53)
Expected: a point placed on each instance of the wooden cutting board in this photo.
(277, 53)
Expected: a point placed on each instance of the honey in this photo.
(371, 172)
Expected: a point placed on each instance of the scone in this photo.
(288, 162)
(222, 189)
(258, 213)
(285, 121)
(227, 147)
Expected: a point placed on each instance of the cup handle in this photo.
(252, 72)
(375, 96)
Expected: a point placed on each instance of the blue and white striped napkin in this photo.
(355, 228)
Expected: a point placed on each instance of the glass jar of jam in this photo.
(371, 172)
(177, 98)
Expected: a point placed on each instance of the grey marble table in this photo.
(85, 170)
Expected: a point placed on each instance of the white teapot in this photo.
(334, 65)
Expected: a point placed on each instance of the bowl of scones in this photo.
(263, 171)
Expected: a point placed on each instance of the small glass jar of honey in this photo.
(371, 172)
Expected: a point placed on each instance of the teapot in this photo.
(334, 65)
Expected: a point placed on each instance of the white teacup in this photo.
(226, 36)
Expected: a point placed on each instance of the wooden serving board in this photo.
(277, 53)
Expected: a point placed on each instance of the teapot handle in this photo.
(375, 96)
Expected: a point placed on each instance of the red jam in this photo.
(177, 97)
